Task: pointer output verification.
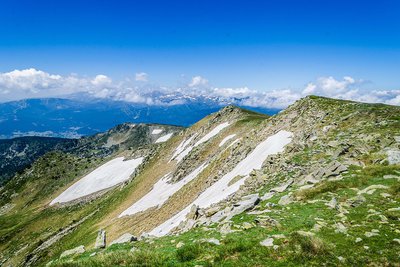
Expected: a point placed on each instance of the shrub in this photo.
(188, 252)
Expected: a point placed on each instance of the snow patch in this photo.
(161, 191)
(164, 138)
(157, 131)
(182, 146)
(107, 175)
(221, 189)
(226, 139)
(185, 150)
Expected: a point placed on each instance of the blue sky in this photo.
(262, 45)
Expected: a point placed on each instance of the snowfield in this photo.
(184, 149)
(226, 139)
(106, 176)
(161, 191)
(221, 189)
(164, 138)
(157, 131)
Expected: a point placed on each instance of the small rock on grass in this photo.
(269, 242)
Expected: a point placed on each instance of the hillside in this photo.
(18, 153)
(237, 188)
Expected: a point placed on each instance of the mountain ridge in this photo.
(300, 206)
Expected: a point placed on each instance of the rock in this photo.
(180, 244)
(283, 187)
(225, 229)
(332, 204)
(358, 240)
(92, 254)
(74, 251)
(370, 189)
(125, 238)
(389, 176)
(267, 196)
(340, 228)
(211, 211)
(193, 213)
(247, 226)
(101, 239)
(356, 201)
(319, 225)
(370, 234)
(304, 233)
(269, 242)
(341, 259)
(213, 241)
(267, 222)
(285, 200)
(394, 209)
(396, 240)
(393, 156)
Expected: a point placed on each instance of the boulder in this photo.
(125, 238)
(101, 239)
(74, 251)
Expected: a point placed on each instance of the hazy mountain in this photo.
(72, 118)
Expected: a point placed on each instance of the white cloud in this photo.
(32, 83)
(198, 81)
(141, 77)
(101, 80)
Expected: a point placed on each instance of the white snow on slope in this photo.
(184, 151)
(107, 175)
(182, 146)
(226, 139)
(221, 189)
(157, 131)
(164, 138)
(161, 191)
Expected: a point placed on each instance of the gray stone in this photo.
(285, 200)
(74, 251)
(340, 228)
(393, 156)
(269, 242)
(283, 187)
(212, 241)
(356, 201)
(101, 239)
(125, 238)
(332, 204)
(372, 189)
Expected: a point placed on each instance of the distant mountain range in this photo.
(82, 115)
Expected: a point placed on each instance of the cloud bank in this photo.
(32, 83)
